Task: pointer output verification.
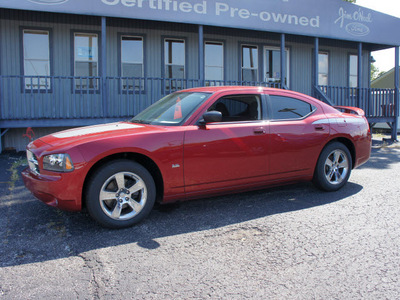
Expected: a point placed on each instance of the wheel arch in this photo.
(349, 144)
(144, 160)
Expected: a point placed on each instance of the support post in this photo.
(283, 61)
(201, 55)
(316, 66)
(396, 95)
(369, 105)
(359, 75)
(104, 90)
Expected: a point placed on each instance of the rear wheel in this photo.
(333, 167)
(120, 194)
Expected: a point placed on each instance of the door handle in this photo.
(259, 130)
(319, 127)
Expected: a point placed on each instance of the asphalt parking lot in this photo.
(292, 242)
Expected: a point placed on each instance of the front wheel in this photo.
(120, 194)
(333, 167)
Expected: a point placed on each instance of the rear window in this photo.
(287, 108)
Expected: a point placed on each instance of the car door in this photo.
(295, 139)
(230, 153)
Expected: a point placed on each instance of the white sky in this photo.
(385, 58)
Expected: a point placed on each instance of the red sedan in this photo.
(197, 143)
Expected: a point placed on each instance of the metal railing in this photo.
(69, 97)
(377, 103)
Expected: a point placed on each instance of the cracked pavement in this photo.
(292, 242)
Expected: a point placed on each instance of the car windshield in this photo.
(173, 109)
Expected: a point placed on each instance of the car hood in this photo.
(76, 136)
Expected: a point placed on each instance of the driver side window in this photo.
(238, 108)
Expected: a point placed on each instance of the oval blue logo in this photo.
(48, 2)
(357, 29)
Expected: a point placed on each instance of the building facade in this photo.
(67, 63)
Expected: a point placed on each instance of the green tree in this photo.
(352, 1)
(375, 72)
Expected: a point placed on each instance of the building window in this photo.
(323, 68)
(36, 52)
(174, 58)
(353, 71)
(272, 65)
(249, 63)
(214, 62)
(86, 61)
(132, 62)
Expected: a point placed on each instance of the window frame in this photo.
(215, 42)
(99, 65)
(257, 69)
(22, 29)
(142, 90)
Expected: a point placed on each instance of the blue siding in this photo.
(64, 104)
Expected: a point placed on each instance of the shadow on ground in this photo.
(32, 232)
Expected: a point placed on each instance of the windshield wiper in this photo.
(140, 121)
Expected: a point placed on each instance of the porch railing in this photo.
(377, 103)
(69, 97)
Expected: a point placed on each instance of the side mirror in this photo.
(211, 117)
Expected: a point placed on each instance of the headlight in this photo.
(58, 163)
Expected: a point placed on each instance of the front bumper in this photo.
(59, 190)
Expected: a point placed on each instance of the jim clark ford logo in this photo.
(354, 23)
(48, 2)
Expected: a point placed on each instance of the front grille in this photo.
(32, 162)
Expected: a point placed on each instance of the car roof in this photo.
(256, 89)
(213, 89)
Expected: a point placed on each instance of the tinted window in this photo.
(284, 108)
(238, 108)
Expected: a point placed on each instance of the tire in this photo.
(121, 193)
(333, 167)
